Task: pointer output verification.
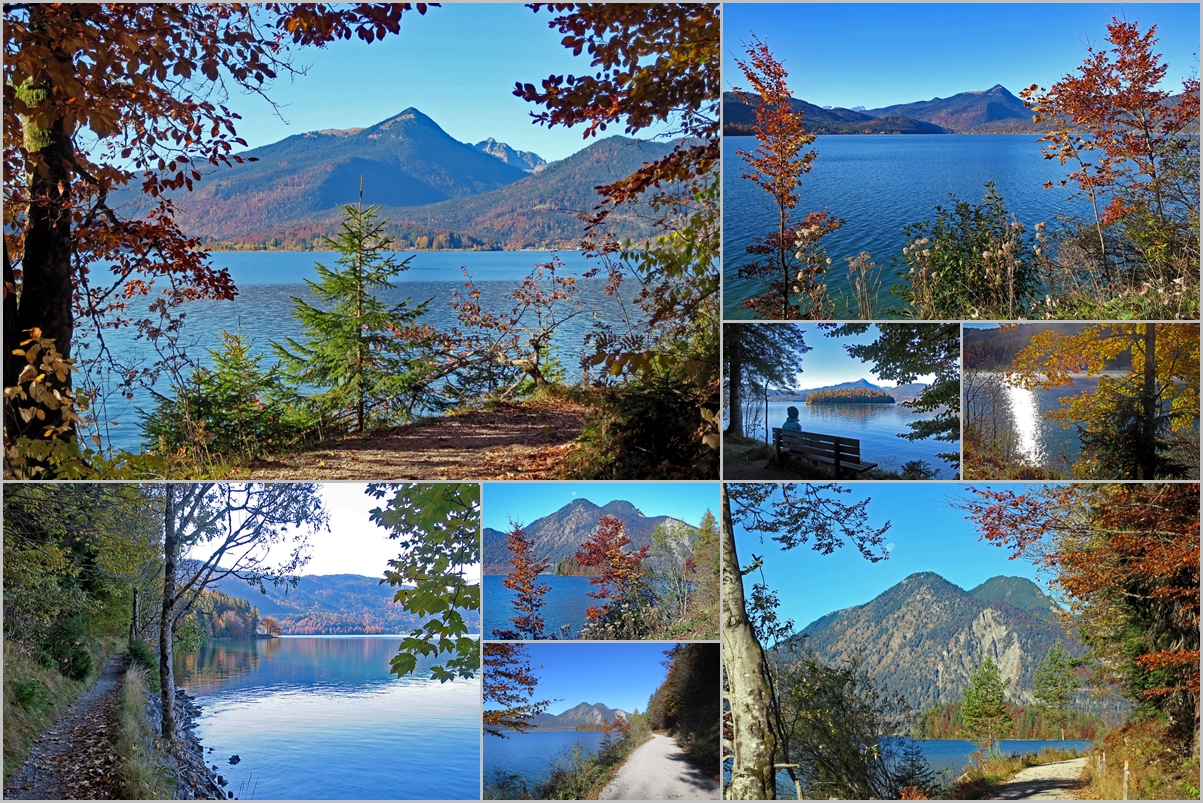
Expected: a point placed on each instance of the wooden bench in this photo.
(843, 454)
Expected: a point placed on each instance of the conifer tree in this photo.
(984, 711)
(365, 356)
(1055, 683)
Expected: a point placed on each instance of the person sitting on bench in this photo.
(791, 420)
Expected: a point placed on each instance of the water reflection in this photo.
(1027, 423)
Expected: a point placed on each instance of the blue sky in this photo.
(828, 362)
(457, 64)
(526, 501)
(926, 535)
(618, 675)
(876, 55)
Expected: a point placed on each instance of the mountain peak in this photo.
(621, 507)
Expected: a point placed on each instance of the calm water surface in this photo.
(878, 184)
(532, 755)
(565, 604)
(268, 282)
(320, 717)
(1040, 441)
(953, 754)
(876, 425)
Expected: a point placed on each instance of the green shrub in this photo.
(30, 694)
(139, 654)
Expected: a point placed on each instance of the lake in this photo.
(565, 604)
(269, 280)
(878, 184)
(321, 717)
(532, 755)
(953, 754)
(876, 425)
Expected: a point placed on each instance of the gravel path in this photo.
(73, 759)
(527, 441)
(1056, 781)
(659, 770)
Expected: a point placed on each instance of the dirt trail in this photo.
(74, 759)
(1056, 781)
(516, 441)
(659, 770)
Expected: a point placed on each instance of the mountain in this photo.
(924, 636)
(994, 110)
(559, 535)
(523, 160)
(900, 393)
(435, 191)
(739, 114)
(994, 349)
(330, 604)
(587, 714)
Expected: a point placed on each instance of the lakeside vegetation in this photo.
(849, 396)
(1130, 148)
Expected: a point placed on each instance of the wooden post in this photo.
(838, 444)
(777, 443)
(1125, 780)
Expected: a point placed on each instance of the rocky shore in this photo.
(194, 779)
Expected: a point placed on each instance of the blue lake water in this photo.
(1038, 440)
(320, 717)
(532, 755)
(262, 311)
(876, 425)
(878, 184)
(565, 604)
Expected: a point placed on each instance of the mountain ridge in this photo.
(582, 714)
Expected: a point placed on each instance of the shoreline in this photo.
(194, 779)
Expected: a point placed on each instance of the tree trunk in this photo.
(166, 671)
(733, 341)
(133, 622)
(1148, 468)
(44, 299)
(754, 744)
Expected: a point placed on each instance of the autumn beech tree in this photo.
(1126, 559)
(1133, 153)
(508, 690)
(792, 515)
(124, 97)
(790, 260)
(619, 581)
(523, 580)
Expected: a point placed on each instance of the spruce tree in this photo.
(984, 710)
(366, 357)
(1055, 683)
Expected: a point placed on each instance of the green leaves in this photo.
(439, 530)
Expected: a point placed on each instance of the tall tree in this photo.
(904, 352)
(793, 260)
(98, 98)
(523, 580)
(800, 515)
(213, 531)
(508, 690)
(364, 353)
(1055, 683)
(672, 559)
(762, 351)
(1126, 559)
(438, 526)
(984, 709)
(1124, 421)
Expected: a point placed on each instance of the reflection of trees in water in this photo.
(218, 662)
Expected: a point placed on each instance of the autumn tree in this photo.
(791, 260)
(1055, 684)
(687, 700)
(523, 580)
(213, 531)
(652, 66)
(1134, 155)
(438, 527)
(1124, 422)
(672, 559)
(508, 690)
(621, 584)
(770, 353)
(984, 709)
(904, 352)
(1126, 559)
(104, 98)
(271, 626)
(792, 515)
(365, 355)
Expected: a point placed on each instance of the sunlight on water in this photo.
(1025, 415)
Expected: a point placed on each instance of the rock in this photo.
(234, 759)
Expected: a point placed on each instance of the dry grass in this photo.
(1158, 768)
(144, 774)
